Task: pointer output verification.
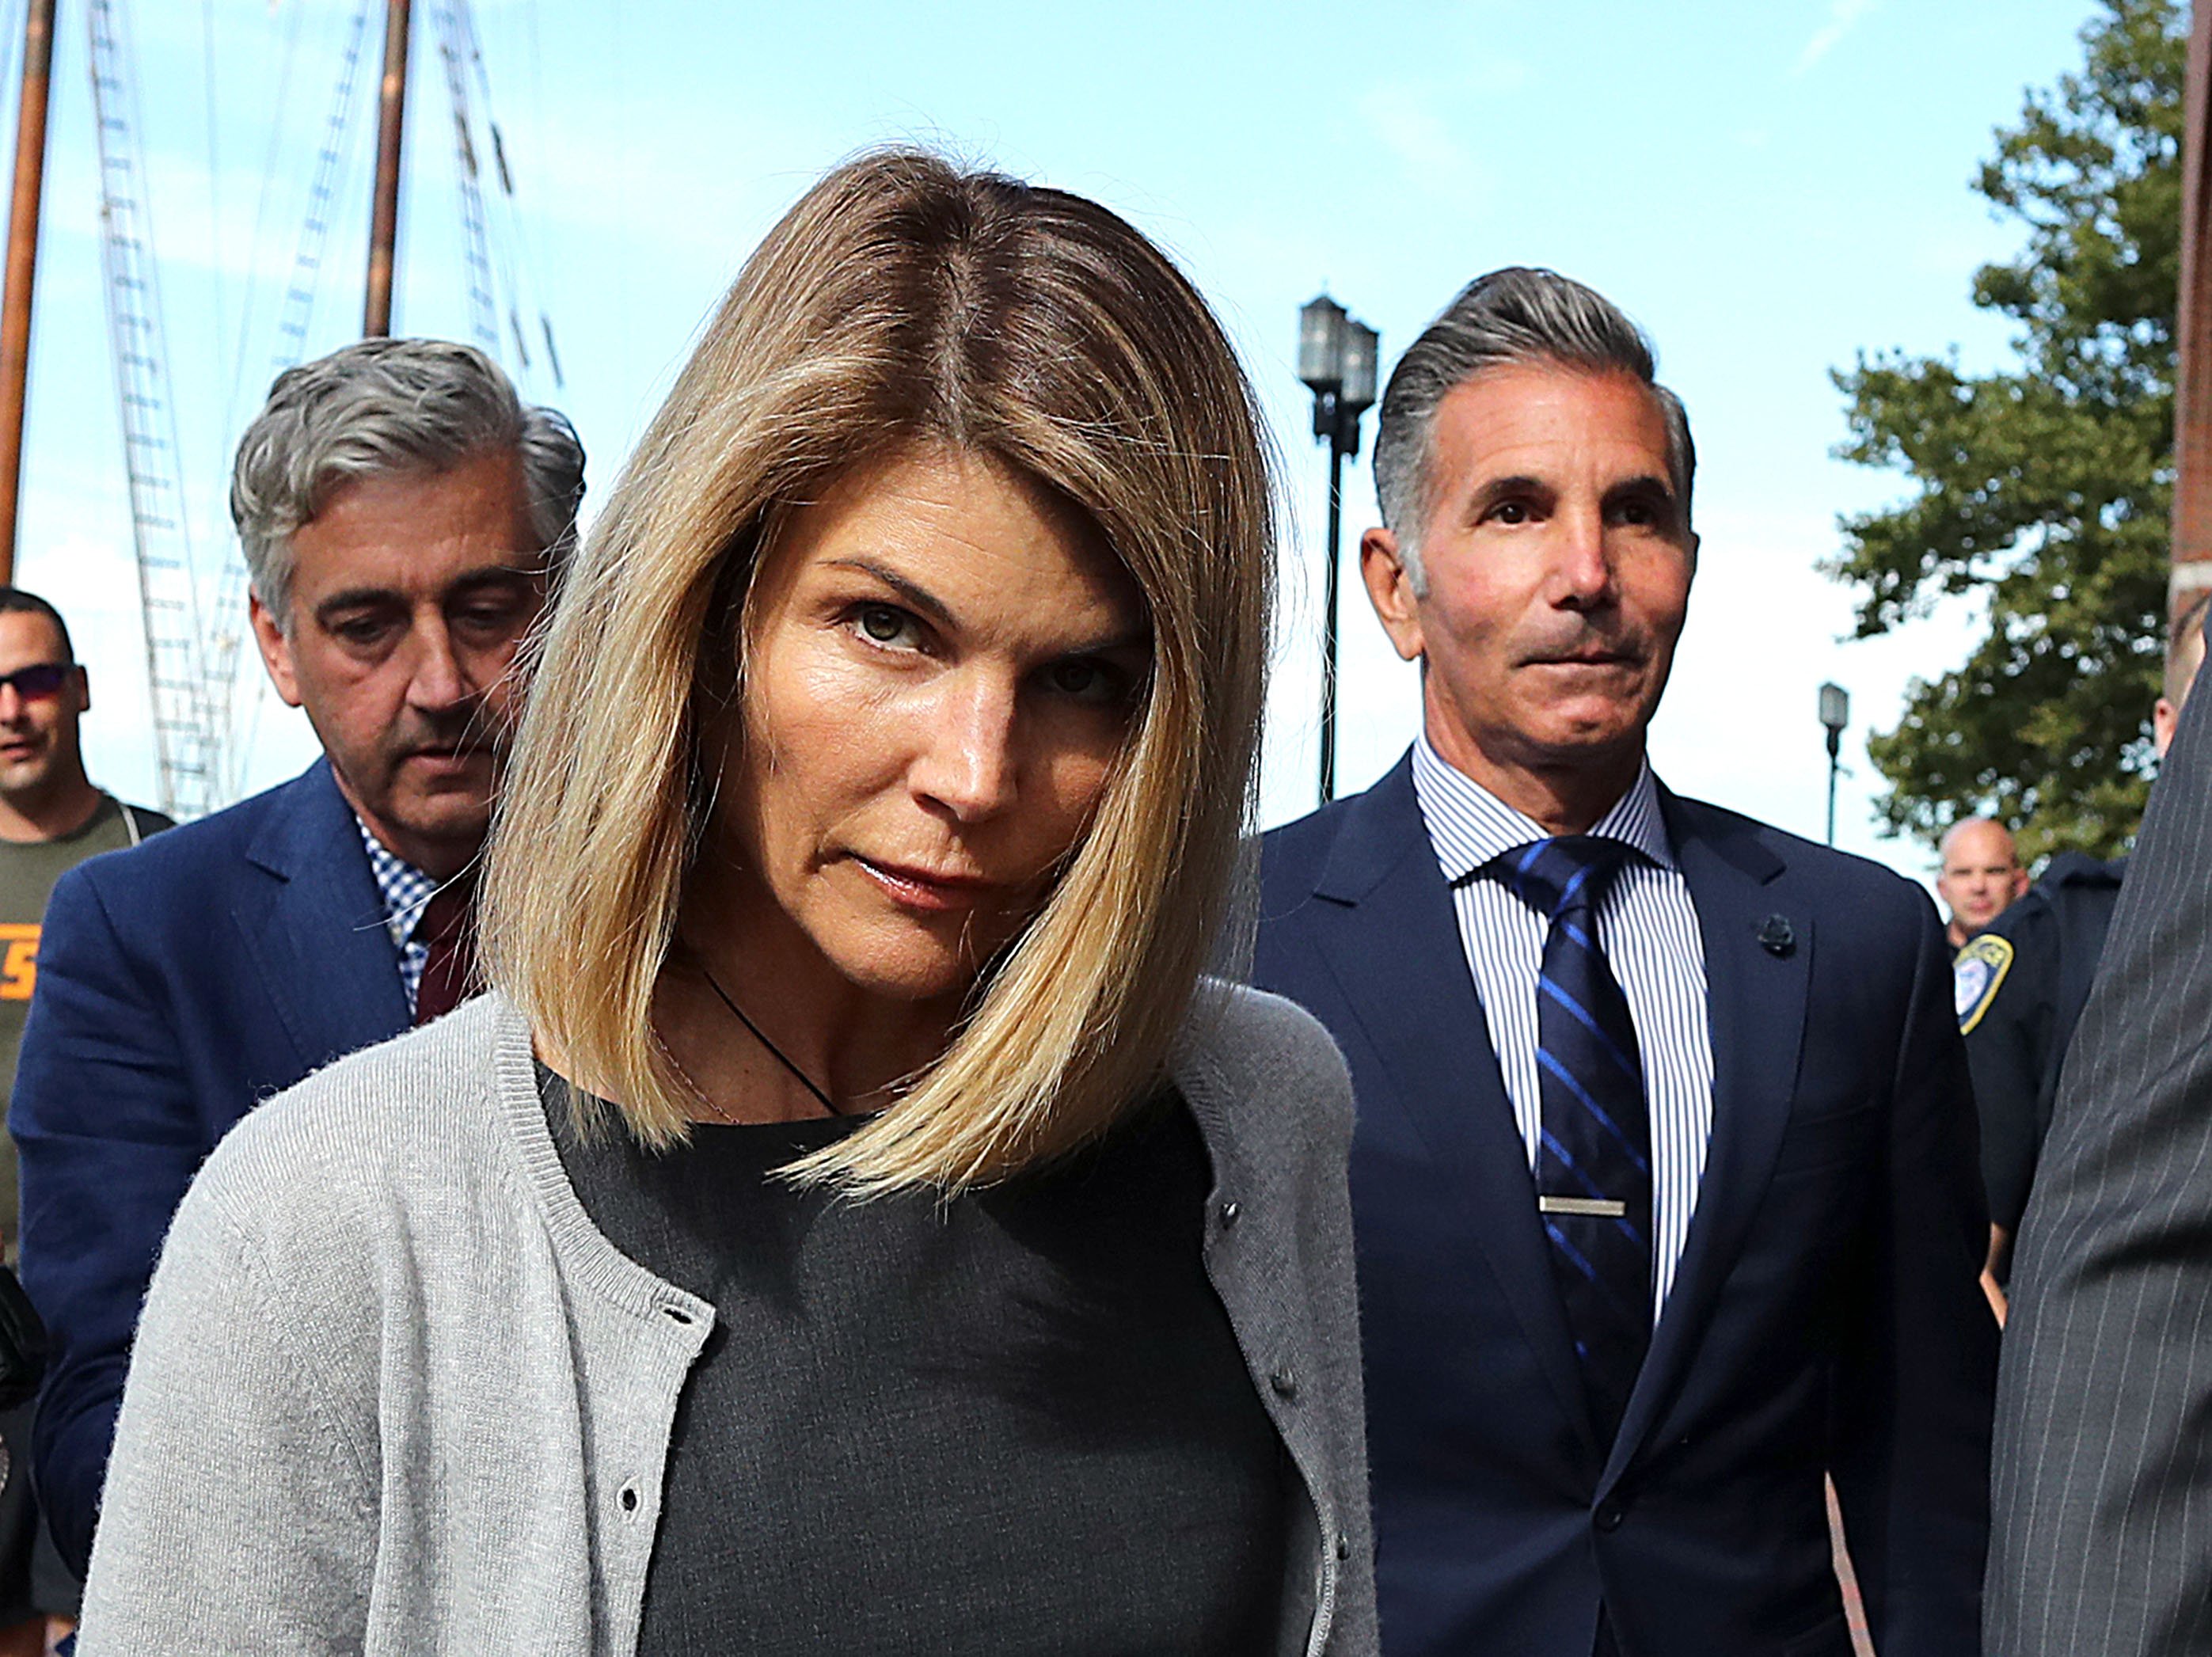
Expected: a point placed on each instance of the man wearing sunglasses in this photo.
(52, 818)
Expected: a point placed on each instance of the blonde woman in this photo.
(851, 1222)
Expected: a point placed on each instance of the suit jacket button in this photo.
(1610, 1513)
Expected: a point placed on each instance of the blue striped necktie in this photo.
(1593, 1157)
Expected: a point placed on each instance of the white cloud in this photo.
(1844, 15)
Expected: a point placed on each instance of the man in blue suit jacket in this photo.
(402, 514)
(1664, 1178)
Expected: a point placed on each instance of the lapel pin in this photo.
(1777, 937)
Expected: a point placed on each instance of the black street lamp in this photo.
(1336, 360)
(1835, 714)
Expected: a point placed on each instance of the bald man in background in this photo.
(1981, 875)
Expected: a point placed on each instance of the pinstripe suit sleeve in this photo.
(2102, 1538)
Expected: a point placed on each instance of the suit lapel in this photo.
(313, 926)
(1755, 994)
(1387, 932)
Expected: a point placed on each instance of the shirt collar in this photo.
(1468, 825)
(403, 887)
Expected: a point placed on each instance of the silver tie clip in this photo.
(1602, 1208)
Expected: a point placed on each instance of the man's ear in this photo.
(1390, 590)
(276, 650)
(2163, 716)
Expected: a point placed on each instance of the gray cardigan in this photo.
(394, 1391)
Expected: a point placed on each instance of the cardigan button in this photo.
(1284, 1383)
(1228, 1212)
(1343, 1547)
(629, 1498)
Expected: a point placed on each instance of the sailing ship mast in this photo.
(23, 265)
(384, 219)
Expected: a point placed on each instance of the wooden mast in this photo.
(2192, 400)
(22, 267)
(384, 223)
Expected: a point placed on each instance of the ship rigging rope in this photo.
(477, 277)
(277, 128)
(507, 239)
(188, 664)
(325, 196)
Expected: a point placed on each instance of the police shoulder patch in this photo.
(1977, 975)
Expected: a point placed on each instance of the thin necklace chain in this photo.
(759, 1036)
(690, 1086)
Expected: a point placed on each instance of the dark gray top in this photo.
(1014, 1422)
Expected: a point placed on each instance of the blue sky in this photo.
(1768, 187)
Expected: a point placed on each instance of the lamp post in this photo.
(1835, 714)
(1336, 360)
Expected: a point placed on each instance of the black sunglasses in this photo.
(40, 680)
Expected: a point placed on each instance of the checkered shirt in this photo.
(406, 891)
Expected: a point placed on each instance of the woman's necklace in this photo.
(691, 1086)
(759, 1036)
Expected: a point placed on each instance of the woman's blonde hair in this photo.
(903, 301)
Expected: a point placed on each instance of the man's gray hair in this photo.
(383, 406)
(1512, 316)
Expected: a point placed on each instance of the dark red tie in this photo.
(448, 928)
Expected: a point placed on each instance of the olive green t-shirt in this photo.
(28, 870)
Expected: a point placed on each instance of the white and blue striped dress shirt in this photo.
(1649, 930)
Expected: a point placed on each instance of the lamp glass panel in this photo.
(1835, 707)
(1360, 345)
(1320, 343)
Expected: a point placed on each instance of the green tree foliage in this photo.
(2045, 489)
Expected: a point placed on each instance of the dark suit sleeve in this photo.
(1917, 1367)
(108, 1140)
(2103, 1480)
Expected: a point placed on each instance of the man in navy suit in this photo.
(1664, 1178)
(402, 515)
